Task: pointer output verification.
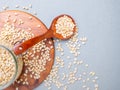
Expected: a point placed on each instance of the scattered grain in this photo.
(84, 86)
(92, 73)
(86, 65)
(16, 88)
(30, 18)
(96, 86)
(30, 5)
(65, 88)
(17, 6)
(96, 77)
(16, 14)
(5, 7)
(34, 13)
(68, 57)
(87, 88)
(38, 26)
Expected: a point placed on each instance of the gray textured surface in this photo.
(99, 21)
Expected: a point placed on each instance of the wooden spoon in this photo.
(22, 47)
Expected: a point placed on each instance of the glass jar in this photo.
(10, 67)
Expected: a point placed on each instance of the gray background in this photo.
(99, 21)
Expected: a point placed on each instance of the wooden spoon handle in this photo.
(22, 47)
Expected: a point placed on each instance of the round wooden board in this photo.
(32, 23)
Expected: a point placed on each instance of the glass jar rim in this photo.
(16, 68)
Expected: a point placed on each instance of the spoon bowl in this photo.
(66, 23)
